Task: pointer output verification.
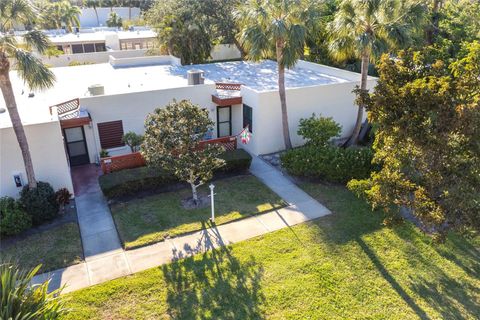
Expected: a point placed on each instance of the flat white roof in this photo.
(100, 36)
(73, 82)
(263, 76)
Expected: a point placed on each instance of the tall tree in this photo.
(93, 4)
(275, 29)
(364, 29)
(182, 29)
(28, 67)
(59, 14)
(427, 117)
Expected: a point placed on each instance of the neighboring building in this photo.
(102, 39)
(95, 45)
(107, 100)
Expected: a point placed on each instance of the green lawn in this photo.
(55, 248)
(148, 220)
(346, 265)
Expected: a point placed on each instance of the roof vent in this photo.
(96, 89)
(195, 76)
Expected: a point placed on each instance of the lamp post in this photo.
(212, 202)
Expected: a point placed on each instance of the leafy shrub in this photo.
(63, 196)
(13, 219)
(329, 163)
(235, 161)
(131, 181)
(21, 300)
(132, 140)
(318, 131)
(104, 153)
(40, 202)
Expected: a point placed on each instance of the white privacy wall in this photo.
(48, 156)
(92, 57)
(88, 17)
(133, 108)
(334, 100)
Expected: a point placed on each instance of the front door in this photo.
(76, 146)
(224, 121)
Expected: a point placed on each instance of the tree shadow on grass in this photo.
(391, 280)
(213, 284)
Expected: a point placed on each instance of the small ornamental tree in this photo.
(172, 142)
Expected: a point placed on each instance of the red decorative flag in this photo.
(245, 135)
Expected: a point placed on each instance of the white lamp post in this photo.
(212, 202)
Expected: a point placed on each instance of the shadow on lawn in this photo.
(448, 295)
(215, 286)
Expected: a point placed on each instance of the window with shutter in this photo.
(110, 134)
(247, 117)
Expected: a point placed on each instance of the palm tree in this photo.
(93, 4)
(70, 15)
(365, 29)
(28, 67)
(274, 28)
(61, 14)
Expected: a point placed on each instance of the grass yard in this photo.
(346, 265)
(148, 220)
(55, 248)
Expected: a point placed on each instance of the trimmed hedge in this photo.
(131, 181)
(330, 163)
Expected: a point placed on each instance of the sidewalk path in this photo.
(112, 262)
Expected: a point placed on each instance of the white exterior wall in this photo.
(225, 52)
(93, 57)
(88, 18)
(48, 155)
(133, 108)
(335, 100)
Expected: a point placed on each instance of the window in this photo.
(247, 117)
(123, 46)
(100, 47)
(110, 134)
(77, 48)
(60, 48)
(89, 47)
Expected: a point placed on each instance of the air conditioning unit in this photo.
(195, 77)
(96, 89)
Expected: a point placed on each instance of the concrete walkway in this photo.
(112, 262)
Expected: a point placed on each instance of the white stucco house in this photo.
(91, 106)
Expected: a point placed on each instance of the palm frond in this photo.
(32, 70)
(37, 40)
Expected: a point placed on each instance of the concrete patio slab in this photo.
(192, 244)
(73, 278)
(96, 224)
(313, 209)
(272, 221)
(108, 268)
(150, 256)
(241, 230)
(100, 243)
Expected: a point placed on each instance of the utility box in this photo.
(195, 77)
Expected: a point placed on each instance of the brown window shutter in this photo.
(110, 134)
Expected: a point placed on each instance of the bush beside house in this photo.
(320, 159)
(13, 219)
(131, 181)
(34, 207)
